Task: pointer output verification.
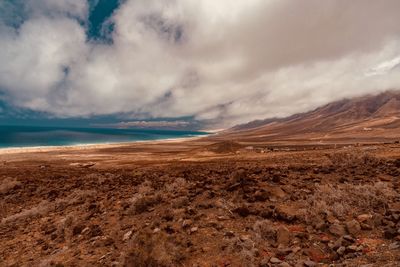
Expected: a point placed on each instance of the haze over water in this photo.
(31, 136)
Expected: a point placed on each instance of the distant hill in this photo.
(368, 118)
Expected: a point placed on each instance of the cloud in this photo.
(222, 62)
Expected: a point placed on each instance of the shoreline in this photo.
(34, 149)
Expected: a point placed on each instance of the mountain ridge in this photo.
(366, 117)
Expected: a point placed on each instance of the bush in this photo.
(148, 249)
(353, 159)
(8, 184)
(347, 199)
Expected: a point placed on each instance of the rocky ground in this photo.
(202, 205)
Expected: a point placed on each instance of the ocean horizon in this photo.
(44, 136)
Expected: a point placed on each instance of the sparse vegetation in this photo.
(354, 158)
(348, 199)
(8, 184)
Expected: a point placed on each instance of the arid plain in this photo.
(222, 200)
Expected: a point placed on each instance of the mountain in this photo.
(368, 118)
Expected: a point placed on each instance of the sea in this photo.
(36, 136)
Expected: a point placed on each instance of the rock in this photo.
(337, 244)
(364, 217)
(390, 233)
(274, 260)
(286, 213)
(337, 229)
(261, 195)
(377, 219)
(365, 226)
(275, 192)
(229, 234)
(78, 229)
(284, 264)
(353, 227)
(194, 230)
(352, 248)
(310, 264)
(264, 262)
(187, 223)
(341, 250)
(242, 211)
(330, 218)
(349, 238)
(394, 246)
(283, 236)
(85, 231)
(127, 235)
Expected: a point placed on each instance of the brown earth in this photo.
(363, 119)
(201, 203)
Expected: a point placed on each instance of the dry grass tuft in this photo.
(43, 208)
(8, 184)
(354, 158)
(153, 250)
(347, 199)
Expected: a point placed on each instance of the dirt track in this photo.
(201, 204)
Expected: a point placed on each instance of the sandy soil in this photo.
(201, 202)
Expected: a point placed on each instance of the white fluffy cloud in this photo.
(220, 61)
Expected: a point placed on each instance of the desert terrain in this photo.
(201, 203)
(224, 200)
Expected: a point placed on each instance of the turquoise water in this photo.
(27, 136)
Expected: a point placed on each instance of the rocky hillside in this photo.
(366, 118)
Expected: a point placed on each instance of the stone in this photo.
(283, 252)
(274, 260)
(337, 244)
(337, 229)
(283, 236)
(187, 223)
(364, 217)
(353, 227)
(127, 235)
(264, 262)
(352, 248)
(394, 246)
(390, 233)
(330, 218)
(377, 219)
(341, 250)
(229, 234)
(310, 264)
(284, 264)
(243, 211)
(194, 229)
(349, 238)
(365, 226)
(275, 192)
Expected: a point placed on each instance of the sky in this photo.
(190, 63)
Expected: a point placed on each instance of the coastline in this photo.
(35, 149)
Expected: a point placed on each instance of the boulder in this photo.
(283, 236)
(353, 227)
(337, 229)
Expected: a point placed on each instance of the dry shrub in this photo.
(354, 158)
(140, 203)
(8, 184)
(77, 197)
(42, 209)
(224, 147)
(265, 230)
(346, 199)
(153, 250)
